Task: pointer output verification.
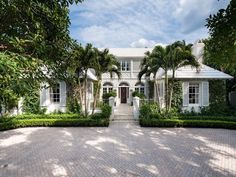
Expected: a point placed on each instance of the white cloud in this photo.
(138, 23)
(142, 43)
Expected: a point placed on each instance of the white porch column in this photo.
(112, 104)
(136, 107)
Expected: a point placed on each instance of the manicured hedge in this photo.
(85, 122)
(187, 123)
(203, 117)
(41, 116)
(57, 120)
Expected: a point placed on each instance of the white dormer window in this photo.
(125, 65)
(55, 93)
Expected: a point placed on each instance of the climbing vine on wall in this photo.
(177, 97)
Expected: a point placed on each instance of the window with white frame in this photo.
(125, 65)
(194, 93)
(55, 93)
(107, 88)
(139, 87)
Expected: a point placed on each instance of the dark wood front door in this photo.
(123, 95)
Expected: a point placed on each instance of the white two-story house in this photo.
(195, 84)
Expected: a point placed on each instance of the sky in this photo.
(141, 23)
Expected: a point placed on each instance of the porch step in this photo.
(124, 121)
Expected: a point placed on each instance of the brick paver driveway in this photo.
(123, 149)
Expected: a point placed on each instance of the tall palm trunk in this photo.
(171, 89)
(80, 93)
(85, 92)
(166, 90)
(96, 95)
(157, 93)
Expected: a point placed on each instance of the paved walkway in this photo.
(122, 150)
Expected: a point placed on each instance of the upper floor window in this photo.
(107, 88)
(193, 93)
(139, 87)
(125, 65)
(55, 93)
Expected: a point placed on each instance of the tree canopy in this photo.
(34, 34)
(221, 46)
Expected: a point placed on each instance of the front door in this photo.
(123, 95)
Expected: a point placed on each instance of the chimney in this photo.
(198, 50)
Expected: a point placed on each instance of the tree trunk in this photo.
(166, 90)
(157, 92)
(171, 90)
(80, 94)
(85, 93)
(96, 95)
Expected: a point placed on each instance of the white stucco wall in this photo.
(128, 77)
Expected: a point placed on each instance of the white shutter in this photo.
(185, 93)
(44, 95)
(62, 94)
(205, 93)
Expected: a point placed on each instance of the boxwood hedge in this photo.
(85, 122)
(187, 123)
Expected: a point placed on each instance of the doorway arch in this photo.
(123, 92)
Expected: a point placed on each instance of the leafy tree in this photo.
(220, 48)
(33, 34)
(16, 78)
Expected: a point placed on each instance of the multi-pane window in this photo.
(139, 88)
(125, 65)
(55, 93)
(107, 88)
(193, 93)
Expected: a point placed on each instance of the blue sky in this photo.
(140, 23)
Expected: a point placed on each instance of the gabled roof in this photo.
(129, 52)
(188, 72)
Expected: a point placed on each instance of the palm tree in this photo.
(179, 55)
(84, 58)
(105, 63)
(171, 57)
(151, 63)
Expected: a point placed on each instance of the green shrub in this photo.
(149, 111)
(52, 123)
(31, 101)
(138, 94)
(106, 111)
(187, 123)
(73, 106)
(108, 95)
(39, 116)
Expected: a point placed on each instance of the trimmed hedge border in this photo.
(187, 123)
(41, 116)
(19, 123)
